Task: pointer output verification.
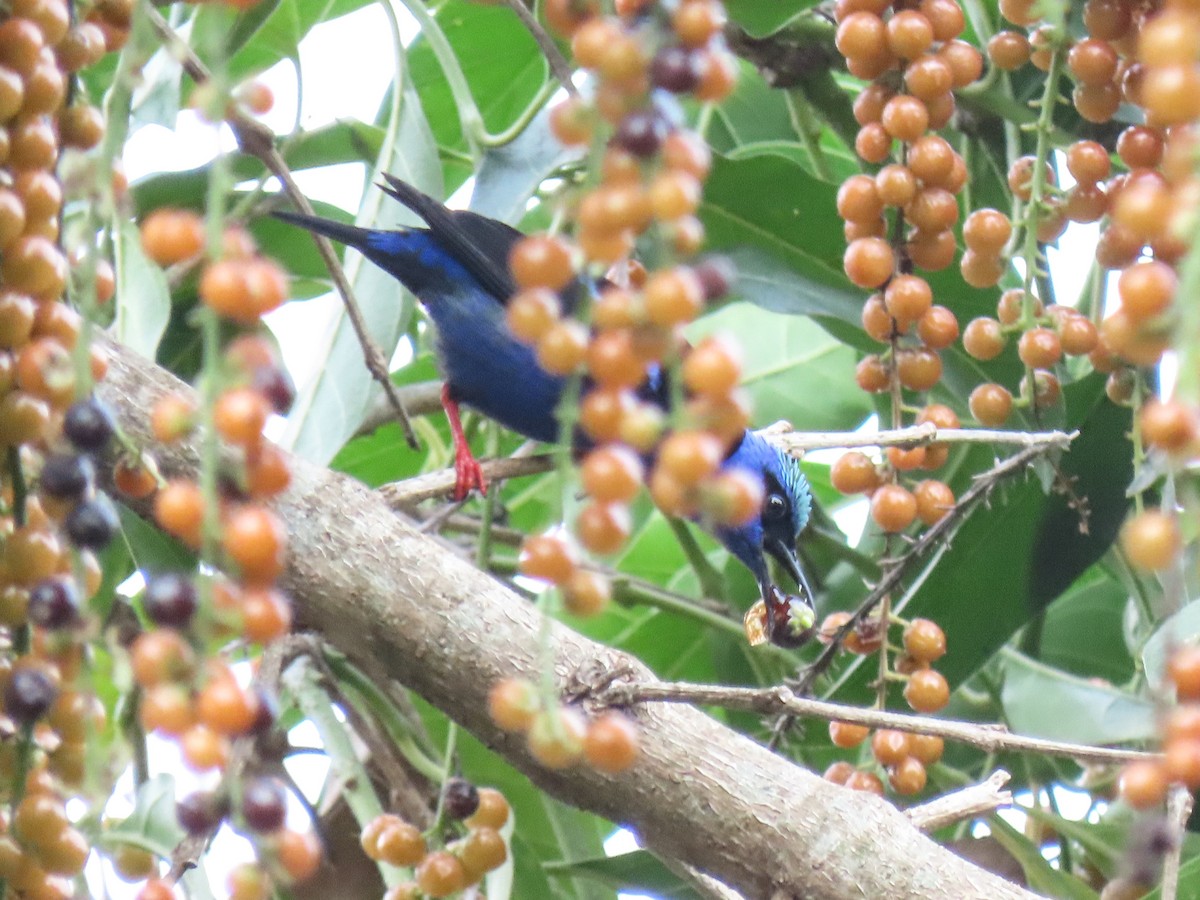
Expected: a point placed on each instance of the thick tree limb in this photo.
(700, 793)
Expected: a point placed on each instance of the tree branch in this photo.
(700, 793)
(408, 493)
(912, 436)
(970, 802)
(776, 700)
(257, 140)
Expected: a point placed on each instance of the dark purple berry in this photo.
(170, 600)
(791, 621)
(66, 477)
(676, 69)
(92, 523)
(264, 804)
(89, 425)
(716, 274)
(28, 695)
(54, 603)
(461, 798)
(201, 811)
(641, 132)
(277, 386)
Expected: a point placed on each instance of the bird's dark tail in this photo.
(350, 235)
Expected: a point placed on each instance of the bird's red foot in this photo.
(468, 474)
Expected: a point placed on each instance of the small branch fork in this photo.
(783, 700)
(938, 532)
(970, 802)
(257, 140)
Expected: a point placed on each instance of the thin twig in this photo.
(940, 531)
(968, 803)
(912, 436)
(1179, 809)
(559, 66)
(411, 491)
(419, 399)
(257, 140)
(782, 700)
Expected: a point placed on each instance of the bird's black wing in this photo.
(481, 244)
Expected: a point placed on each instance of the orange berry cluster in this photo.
(1142, 54)
(913, 199)
(651, 176)
(1143, 784)
(560, 736)
(55, 519)
(904, 756)
(458, 865)
(894, 507)
(200, 703)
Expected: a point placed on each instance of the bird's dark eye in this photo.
(775, 507)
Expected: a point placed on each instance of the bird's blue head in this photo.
(787, 503)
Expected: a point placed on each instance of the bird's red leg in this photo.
(468, 473)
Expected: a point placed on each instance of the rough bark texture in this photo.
(700, 793)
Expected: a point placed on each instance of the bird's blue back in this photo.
(487, 367)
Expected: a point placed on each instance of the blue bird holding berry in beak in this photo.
(457, 267)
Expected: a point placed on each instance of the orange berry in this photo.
(611, 742)
(847, 735)
(1151, 539)
(1143, 784)
(513, 703)
(171, 236)
(255, 540)
(240, 415)
(869, 262)
(586, 593)
(854, 473)
(541, 261)
(226, 708)
(549, 557)
(934, 500)
(990, 404)
(603, 528)
(400, 843)
(927, 691)
(1183, 668)
(299, 853)
(531, 313)
(689, 456)
(673, 296)
(893, 508)
(492, 811)
(441, 874)
(179, 510)
(1168, 425)
(556, 738)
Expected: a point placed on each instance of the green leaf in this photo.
(500, 60)
(1189, 881)
(640, 871)
(510, 174)
(143, 296)
(762, 19)
(330, 408)
(152, 824)
(1045, 702)
(1042, 877)
(1177, 629)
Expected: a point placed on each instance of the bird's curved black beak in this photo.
(786, 557)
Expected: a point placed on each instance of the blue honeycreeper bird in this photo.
(458, 268)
